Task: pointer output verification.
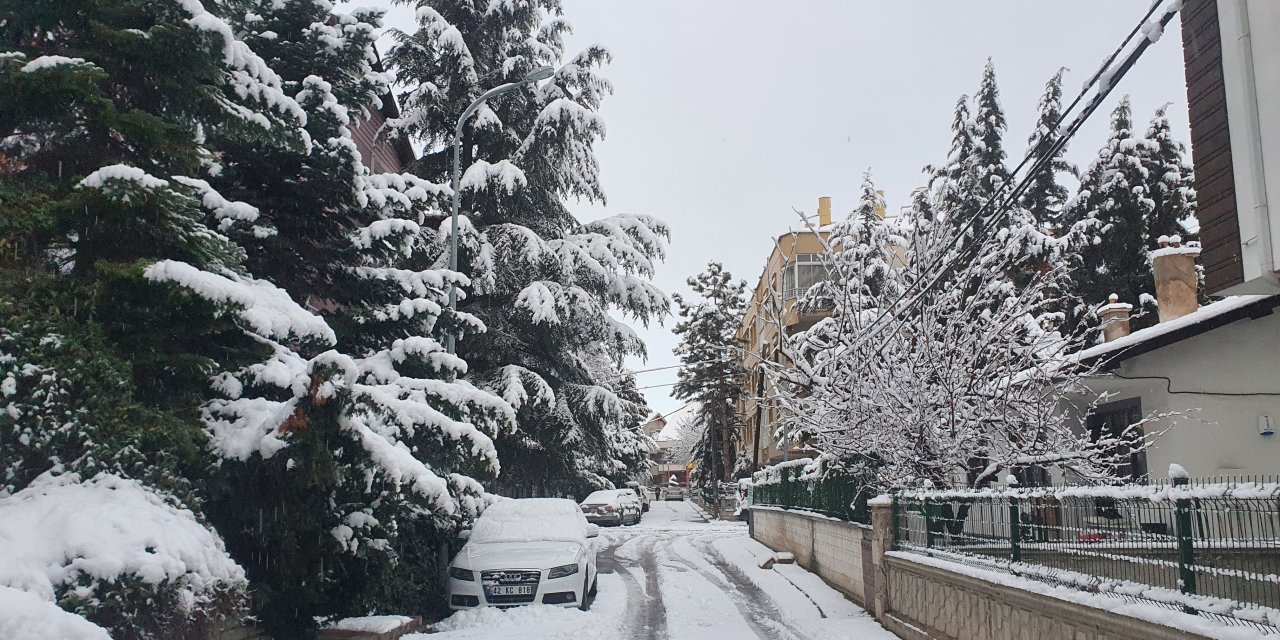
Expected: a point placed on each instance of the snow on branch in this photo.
(482, 175)
(930, 364)
(265, 308)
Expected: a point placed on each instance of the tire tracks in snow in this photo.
(754, 606)
(646, 615)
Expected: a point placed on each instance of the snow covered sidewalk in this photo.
(678, 576)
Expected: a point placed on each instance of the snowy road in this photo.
(678, 576)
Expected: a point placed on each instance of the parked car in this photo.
(526, 551)
(642, 493)
(612, 506)
(673, 492)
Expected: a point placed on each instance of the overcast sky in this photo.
(728, 113)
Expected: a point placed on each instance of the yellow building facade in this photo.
(793, 266)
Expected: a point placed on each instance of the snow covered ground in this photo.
(678, 576)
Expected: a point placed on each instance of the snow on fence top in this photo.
(773, 474)
(1151, 492)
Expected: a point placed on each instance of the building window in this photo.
(1116, 421)
(802, 272)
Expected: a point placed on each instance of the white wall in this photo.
(1216, 434)
(1250, 31)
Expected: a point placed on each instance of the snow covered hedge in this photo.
(116, 553)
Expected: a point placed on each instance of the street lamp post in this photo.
(541, 73)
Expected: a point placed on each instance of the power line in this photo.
(670, 384)
(987, 214)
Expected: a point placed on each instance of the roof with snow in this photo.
(1207, 318)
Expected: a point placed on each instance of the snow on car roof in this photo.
(531, 520)
(607, 494)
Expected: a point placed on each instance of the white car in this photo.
(535, 550)
(642, 493)
(612, 506)
(673, 492)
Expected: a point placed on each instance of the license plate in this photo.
(521, 590)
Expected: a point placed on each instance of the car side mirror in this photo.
(464, 535)
(593, 531)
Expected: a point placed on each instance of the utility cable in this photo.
(1043, 160)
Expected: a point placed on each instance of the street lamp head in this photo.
(541, 73)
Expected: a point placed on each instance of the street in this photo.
(676, 575)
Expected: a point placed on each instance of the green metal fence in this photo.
(843, 497)
(1209, 548)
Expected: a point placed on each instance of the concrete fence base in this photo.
(923, 601)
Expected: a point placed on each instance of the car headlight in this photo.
(562, 571)
(461, 574)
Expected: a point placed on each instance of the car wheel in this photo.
(583, 604)
(595, 586)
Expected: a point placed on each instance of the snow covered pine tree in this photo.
(355, 448)
(384, 440)
(104, 105)
(1137, 190)
(543, 283)
(711, 374)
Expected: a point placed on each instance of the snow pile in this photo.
(24, 616)
(372, 624)
(59, 530)
(531, 520)
(264, 307)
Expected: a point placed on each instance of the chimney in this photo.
(1115, 318)
(824, 211)
(1174, 268)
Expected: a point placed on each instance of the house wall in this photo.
(1211, 145)
(1250, 34)
(378, 154)
(1215, 434)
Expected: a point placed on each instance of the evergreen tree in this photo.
(103, 124)
(954, 183)
(988, 135)
(1046, 198)
(383, 444)
(1170, 182)
(1112, 213)
(543, 283)
(711, 372)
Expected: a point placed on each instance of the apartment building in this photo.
(793, 266)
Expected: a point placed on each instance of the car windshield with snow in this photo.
(535, 550)
(612, 507)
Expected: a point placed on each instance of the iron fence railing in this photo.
(837, 496)
(1210, 547)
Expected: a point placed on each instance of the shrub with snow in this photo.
(119, 555)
